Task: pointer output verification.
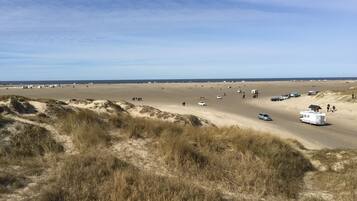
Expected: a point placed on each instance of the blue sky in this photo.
(164, 39)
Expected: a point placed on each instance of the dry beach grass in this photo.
(173, 162)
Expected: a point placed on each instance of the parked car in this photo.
(264, 117)
(276, 98)
(312, 93)
(295, 94)
(201, 103)
(285, 97)
(219, 97)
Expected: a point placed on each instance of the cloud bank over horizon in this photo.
(165, 39)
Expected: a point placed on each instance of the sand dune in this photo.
(231, 109)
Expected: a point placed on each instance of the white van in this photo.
(312, 117)
(254, 91)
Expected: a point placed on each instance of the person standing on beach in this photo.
(333, 108)
(328, 107)
(353, 96)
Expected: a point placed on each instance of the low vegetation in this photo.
(202, 163)
(87, 129)
(28, 141)
(340, 173)
(241, 160)
(94, 176)
(21, 105)
(22, 148)
(10, 182)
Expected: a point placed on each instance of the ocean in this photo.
(44, 82)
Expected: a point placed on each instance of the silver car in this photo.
(264, 117)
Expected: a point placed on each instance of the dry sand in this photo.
(232, 109)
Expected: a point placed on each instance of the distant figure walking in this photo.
(353, 96)
(328, 107)
(334, 108)
(183, 103)
(243, 95)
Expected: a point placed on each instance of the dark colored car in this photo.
(264, 117)
(275, 98)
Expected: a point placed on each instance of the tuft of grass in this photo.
(86, 127)
(29, 141)
(94, 176)
(194, 120)
(4, 121)
(21, 105)
(9, 182)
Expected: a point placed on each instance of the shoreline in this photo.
(173, 81)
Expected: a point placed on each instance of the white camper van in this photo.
(254, 91)
(313, 117)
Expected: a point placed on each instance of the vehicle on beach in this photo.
(219, 97)
(285, 97)
(201, 103)
(239, 91)
(264, 117)
(254, 91)
(276, 98)
(294, 94)
(312, 117)
(312, 93)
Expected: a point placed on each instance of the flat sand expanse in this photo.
(232, 109)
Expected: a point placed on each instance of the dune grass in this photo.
(29, 141)
(241, 160)
(21, 154)
(9, 182)
(87, 129)
(238, 159)
(99, 176)
(4, 121)
(342, 182)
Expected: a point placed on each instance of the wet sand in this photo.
(231, 110)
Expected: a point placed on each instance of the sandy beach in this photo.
(232, 109)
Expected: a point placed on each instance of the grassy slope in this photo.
(236, 159)
(230, 159)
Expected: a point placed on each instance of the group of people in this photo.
(137, 99)
(332, 109)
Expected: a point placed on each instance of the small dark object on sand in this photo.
(334, 108)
